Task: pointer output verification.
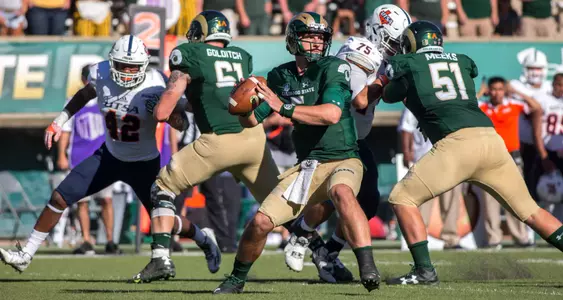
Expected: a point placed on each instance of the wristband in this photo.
(287, 110)
(61, 118)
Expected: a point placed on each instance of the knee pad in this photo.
(162, 201)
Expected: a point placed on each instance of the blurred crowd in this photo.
(457, 18)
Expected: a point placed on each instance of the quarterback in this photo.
(437, 87)
(315, 95)
(367, 57)
(122, 86)
(206, 69)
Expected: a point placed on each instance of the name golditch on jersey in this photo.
(224, 53)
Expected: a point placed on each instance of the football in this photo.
(244, 97)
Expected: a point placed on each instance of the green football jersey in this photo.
(439, 91)
(214, 72)
(322, 143)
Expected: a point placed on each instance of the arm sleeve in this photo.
(337, 88)
(183, 59)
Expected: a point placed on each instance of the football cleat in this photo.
(211, 250)
(295, 252)
(231, 285)
(371, 280)
(340, 272)
(19, 260)
(159, 268)
(417, 275)
(325, 266)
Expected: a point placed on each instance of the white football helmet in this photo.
(550, 187)
(385, 27)
(534, 67)
(129, 52)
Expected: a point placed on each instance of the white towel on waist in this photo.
(298, 190)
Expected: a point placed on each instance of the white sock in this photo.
(156, 253)
(338, 239)
(306, 227)
(34, 242)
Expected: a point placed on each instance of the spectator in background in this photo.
(537, 20)
(345, 12)
(291, 7)
(255, 16)
(82, 135)
(47, 17)
(477, 17)
(505, 112)
(188, 10)
(12, 17)
(435, 11)
(92, 18)
(226, 7)
(509, 21)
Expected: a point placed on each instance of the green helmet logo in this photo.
(209, 25)
(308, 23)
(422, 36)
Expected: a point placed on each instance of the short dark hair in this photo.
(496, 79)
(556, 76)
(85, 72)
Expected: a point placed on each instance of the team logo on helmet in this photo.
(385, 17)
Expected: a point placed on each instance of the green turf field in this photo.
(508, 274)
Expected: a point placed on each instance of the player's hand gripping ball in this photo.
(244, 97)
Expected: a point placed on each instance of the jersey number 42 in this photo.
(129, 129)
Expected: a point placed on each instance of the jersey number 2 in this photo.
(129, 130)
(226, 80)
(446, 81)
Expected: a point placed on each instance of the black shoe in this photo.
(417, 275)
(371, 280)
(85, 249)
(112, 248)
(175, 246)
(161, 268)
(231, 285)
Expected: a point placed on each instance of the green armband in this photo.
(287, 110)
(262, 112)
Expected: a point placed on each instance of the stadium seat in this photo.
(16, 200)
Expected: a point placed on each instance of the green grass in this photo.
(509, 274)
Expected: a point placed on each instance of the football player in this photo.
(533, 81)
(206, 69)
(121, 86)
(367, 57)
(314, 92)
(438, 88)
(549, 138)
